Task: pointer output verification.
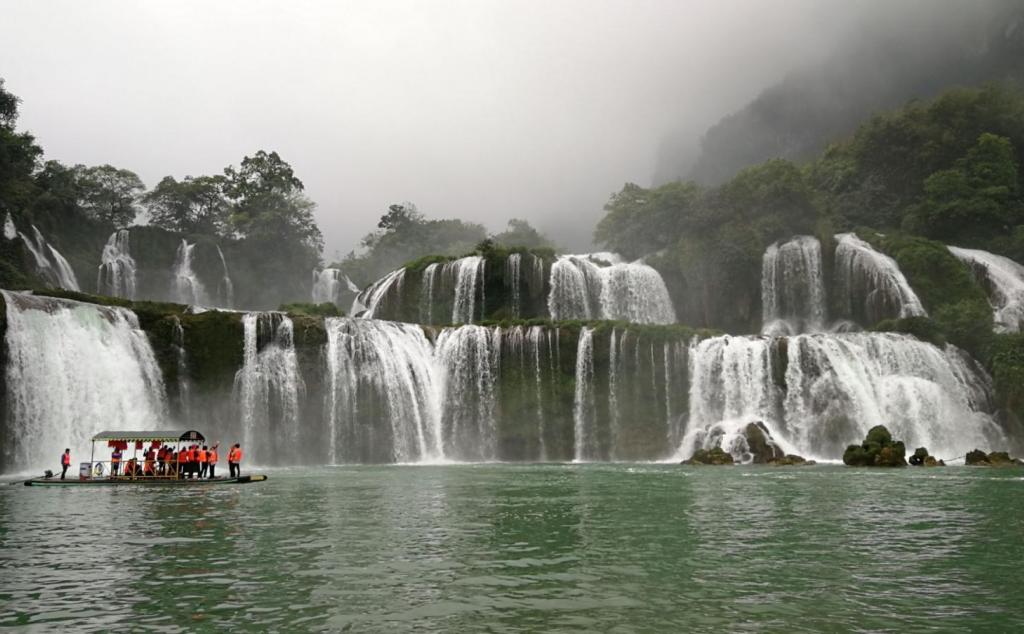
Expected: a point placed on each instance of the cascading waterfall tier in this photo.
(50, 264)
(584, 406)
(268, 388)
(380, 296)
(602, 286)
(869, 285)
(1003, 279)
(816, 394)
(185, 285)
(468, 358)
(793, 287)
(116, 275)
(72, 370)
(327, 286)
(226, 288)
(383, 395)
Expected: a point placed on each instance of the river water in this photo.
(503, 548)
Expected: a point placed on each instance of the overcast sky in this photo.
(479, 110)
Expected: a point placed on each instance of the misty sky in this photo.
(478, 110)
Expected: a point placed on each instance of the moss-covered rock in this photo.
(878, 450)
(921, 458)
(715, 456)
(978, 458)
(760, 445)
(791, 460)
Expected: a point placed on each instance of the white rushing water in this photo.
(116, 275)
(73, 370)
(602, 286)
(268, 387)
(1003, 279)
(793, 287)
(584, 406)
(869, 285)
(185, 285)
(514, 282)
(376, 296)
(326, 286)
(50, 264)
(468, 276)
(834, 388)
(10, 231)
(468, 359)
(381, 375)
(226, 289)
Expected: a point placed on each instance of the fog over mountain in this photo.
(478, 110)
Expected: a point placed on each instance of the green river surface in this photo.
(513, 548)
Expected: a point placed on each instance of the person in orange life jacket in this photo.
(149, 466)
(190, 460)
(201, 456)
(234, 461)
(182, 464)
(65, 462)
(211, 459)
(115, 462)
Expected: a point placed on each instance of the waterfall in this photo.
(535, 340)
(816, 394)
(226, 290)
(468, 358)
(181, 366)
(869, 285)
(513, 281)
(116, 275)
(186, 287)
(50, 264)
(468, 274)
(430, 275)
(10, 231)
(614, 361)
(326, 286)
(602, 286)
(380, 294)
(1003, 279)
(268, 386)
(72, 370)
(793, 287)
(584, 407)
(383, 393)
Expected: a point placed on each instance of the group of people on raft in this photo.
(192, 462)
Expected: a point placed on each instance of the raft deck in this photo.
(166, 482)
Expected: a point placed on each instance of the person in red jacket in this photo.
(235, 460)
(65, 462)
(211, 460)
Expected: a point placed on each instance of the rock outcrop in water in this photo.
(978, 458)
(878, 450)
(715, 456)
(921, 458)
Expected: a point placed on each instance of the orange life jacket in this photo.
(202, 456)
(235, 455)
(115, 458)
(182, 455)
(212, 456)
(65, 459)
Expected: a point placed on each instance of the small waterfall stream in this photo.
(185, 285)
(116, 275)
(1003, 279)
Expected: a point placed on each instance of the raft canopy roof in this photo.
(150, 436)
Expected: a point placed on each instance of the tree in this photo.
(19, 154)
(193, 205)
(109, 194)
(400, 217)
(976, 197)
(520, 234)
(268, 203)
